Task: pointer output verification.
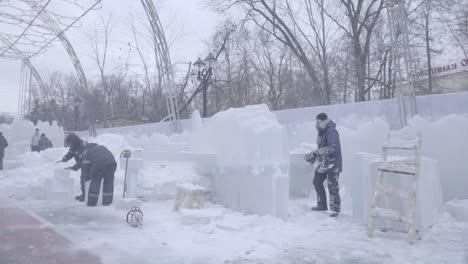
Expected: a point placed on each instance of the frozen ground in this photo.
(231, 237)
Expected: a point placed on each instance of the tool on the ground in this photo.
(135, 217)
(126, 154)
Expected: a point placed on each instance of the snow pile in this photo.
(458, 209)
(20, 132)
(115, 143)
(158, 180)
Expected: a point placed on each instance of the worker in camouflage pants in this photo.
(328, 155)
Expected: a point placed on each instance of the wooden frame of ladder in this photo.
(397, 167)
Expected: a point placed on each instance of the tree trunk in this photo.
(428, 53)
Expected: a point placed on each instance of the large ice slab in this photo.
(131, 167)
(429, 199)
(252, 153)
(60, 187)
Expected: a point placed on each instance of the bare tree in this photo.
(99, 41)
(269, 64)
(362, 17)
(266, 15)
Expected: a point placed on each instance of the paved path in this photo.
(26, 240)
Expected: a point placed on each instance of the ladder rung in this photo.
(395, 215)
(401, 168)
(403, 144)
(398, 147)
(393, 191)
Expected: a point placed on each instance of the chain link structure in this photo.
(54, 27)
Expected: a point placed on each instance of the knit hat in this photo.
(322, 117)
(72, 140)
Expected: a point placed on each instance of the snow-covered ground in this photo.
(230, 237)
(218, 234)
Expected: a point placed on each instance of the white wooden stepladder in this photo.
(410, 167)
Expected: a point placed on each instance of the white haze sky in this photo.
(189, 25)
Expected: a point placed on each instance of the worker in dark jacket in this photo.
(3, 145)
(328, 155)
(99, 165)
(44, 143)
(76, 151)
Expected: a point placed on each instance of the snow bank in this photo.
(20, 132)
(458, 209)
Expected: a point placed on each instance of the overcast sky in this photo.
(189, 25)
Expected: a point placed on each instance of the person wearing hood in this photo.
(35, 141)
(76, 148)
(44, 143)
(97, 164)
(3, 145)
(329, 159)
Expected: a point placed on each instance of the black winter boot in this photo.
(318, 208)
(334, 214)
(80, 198)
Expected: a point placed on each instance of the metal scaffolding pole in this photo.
(401, 50)
(163, 56)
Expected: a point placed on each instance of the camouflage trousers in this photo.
(333, 189)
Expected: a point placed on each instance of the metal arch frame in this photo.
(53, 26)
(26, 61)
(162, 55)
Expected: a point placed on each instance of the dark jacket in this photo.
(77, 153)
(95, 158)
(45, 143)
(329, 149)
(3, 145)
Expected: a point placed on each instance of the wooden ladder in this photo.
(410, 167)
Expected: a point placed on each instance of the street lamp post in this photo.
(205, 71)
(76, 104)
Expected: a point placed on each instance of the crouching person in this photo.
(328, 155)
(44, 143)
(98, 165)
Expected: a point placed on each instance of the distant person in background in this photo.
(35, 141)
(3, 145)
(328, 155)
(44, 143)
